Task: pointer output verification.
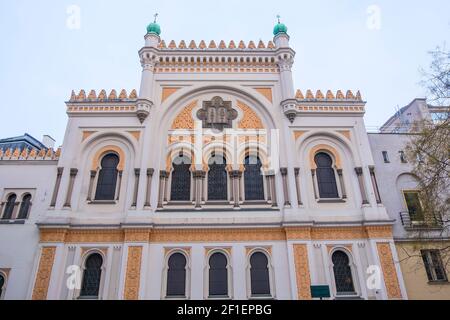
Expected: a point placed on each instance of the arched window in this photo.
(253, 179)
(91, 277)
(181, 179)
(2, 285)
(218, 275)
(326, 179)
(107, 178)
(9, 207)
(217, 178)
(176, 276)
(25, 207)
(342, 273)
(259, 274)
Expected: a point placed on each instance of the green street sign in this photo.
(322, 291)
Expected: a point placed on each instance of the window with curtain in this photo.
(326, 179)
(342, 273)
(259, 274)
(91, 276)
(176, 276)
(217, 178)
(9, 206)
(253, 179)
(181, 179)
(25, 207)
(218, 275)
(107, 178)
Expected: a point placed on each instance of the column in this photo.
(359, 172)
(297, 185)
(149, 187)
(284, 172)
(313, 174)
(162, 175)
(198, 175)
(269, 192)
(374, 183)
(119, 184)
(166, 186)
(235, 175)
(137, 173)
(56, 189)
(15, 210)
(91, 183)
(73, 174)
(273, 191)
(341, 183)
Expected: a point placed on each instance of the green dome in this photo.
(280, 28)
(154, 28)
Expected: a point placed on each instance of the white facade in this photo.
(136, 232)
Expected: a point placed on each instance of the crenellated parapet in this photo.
(328, 97)
(222, 45)
(215, 57)
(318, 102)
(93, 103)
(29, 154)
(102, 97)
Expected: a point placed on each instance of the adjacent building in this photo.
(421, 238)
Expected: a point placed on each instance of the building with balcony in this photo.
(422, 238)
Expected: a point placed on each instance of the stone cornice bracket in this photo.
(143, 107)
(289, 107)
(148, 59)
(286, 63)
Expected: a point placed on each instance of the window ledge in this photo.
(438, 282)
(219, 298)
(176, 298)
(11, 221)
(337, 200)
(261, 297)
(88, 298)
(102, 202)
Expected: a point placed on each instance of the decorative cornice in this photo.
(241, 46)
(102, 97)
(151, 235)
(26, 154)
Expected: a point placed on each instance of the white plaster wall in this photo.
(19, 241)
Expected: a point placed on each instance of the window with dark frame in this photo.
(107, 178)
(217, 178)
(326, 178)
(181, 179)
(218, 275)
(385, 156)
(342, 273)
(253, 179)
(259, 275)
(433, 265)
(9, 207)
(402, 157)
(25, 207)
(91, 277)
(176, 276)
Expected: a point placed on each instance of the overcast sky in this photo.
(373, 46)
